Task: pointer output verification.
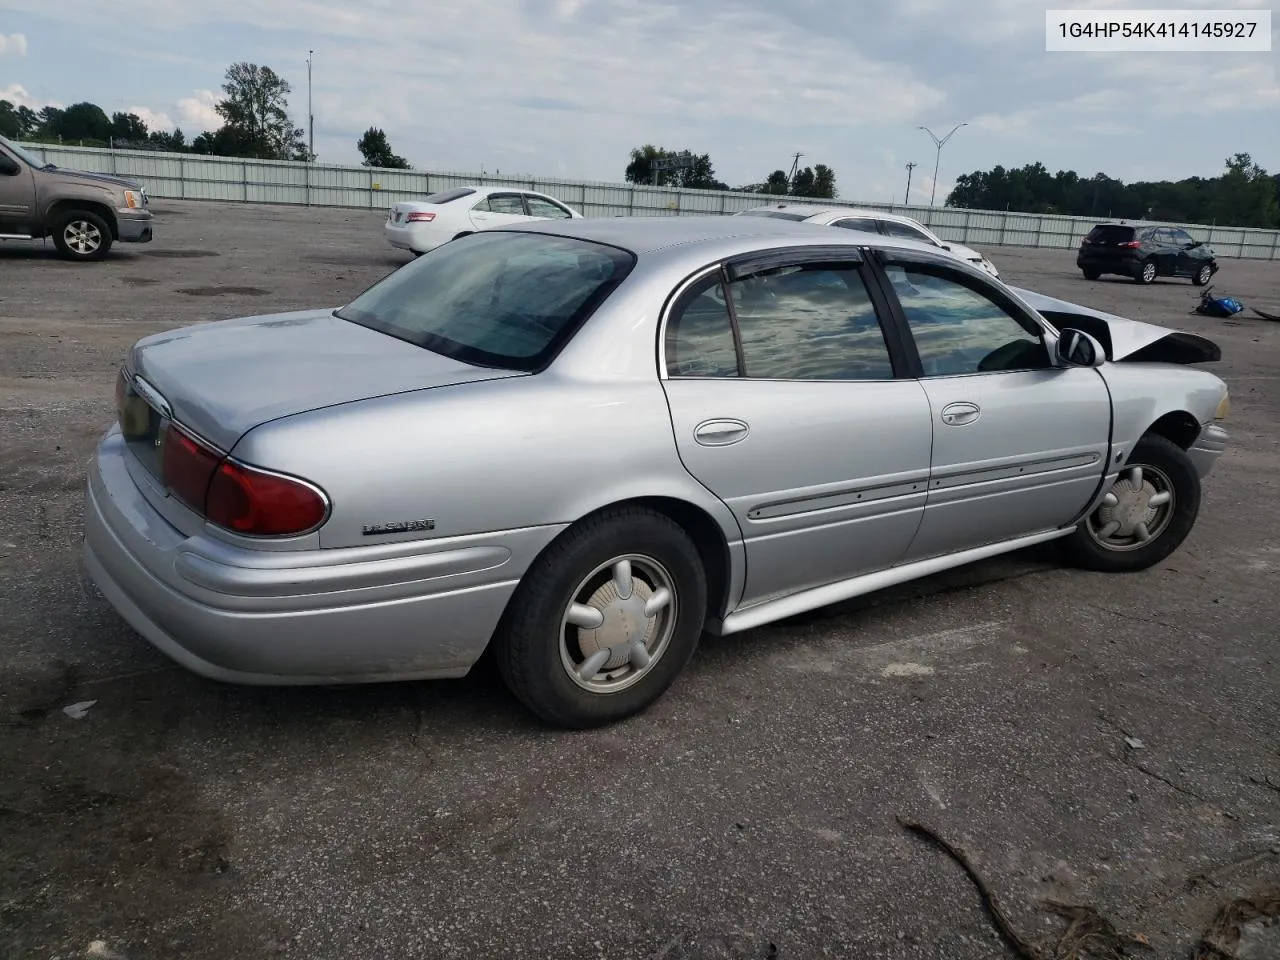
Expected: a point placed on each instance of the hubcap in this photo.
(82, 236)
(1204, 274)
(1135, 511)
(1149, 272)
(618, 624)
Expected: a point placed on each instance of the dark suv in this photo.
(1145, 253)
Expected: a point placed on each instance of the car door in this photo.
(17, 196)
(1019, 445)
(1165, 251)
(789, 403)
(499, 210)
(1186, 262)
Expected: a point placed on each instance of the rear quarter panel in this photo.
(482, 457)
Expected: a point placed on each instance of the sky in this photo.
(565, 88)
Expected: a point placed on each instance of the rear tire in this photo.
(567, 647)
(1202, 276)
(1148, 519)
(1147, 272)
(1092, 274)
(81, 235)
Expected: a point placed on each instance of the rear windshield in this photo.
(775, 214)
(1111, 233)
(494, 299)
(448, 195)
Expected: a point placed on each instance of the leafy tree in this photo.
(82, 121)
(1246, 196)
(776, 183)
(376, 150)
(161, 140)
(700, 176)
(824, 182)
(128, 127)
(9, 124)
(255, 112)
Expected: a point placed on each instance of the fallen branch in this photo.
(1219, 940)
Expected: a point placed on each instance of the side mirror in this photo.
(1077, 349)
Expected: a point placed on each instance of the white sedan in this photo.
(872, 221)
(422, 225)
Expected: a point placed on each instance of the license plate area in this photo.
(143, 423)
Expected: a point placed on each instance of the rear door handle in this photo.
(959, 414)
(720, 433)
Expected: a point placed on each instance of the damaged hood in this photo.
(1124, 339)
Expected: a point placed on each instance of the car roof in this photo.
(811, 211)
(642, 235)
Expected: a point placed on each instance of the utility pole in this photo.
(911, 165)
(939, 144)
(795, 168)
(311, 117)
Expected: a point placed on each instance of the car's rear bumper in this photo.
(135, 227)
(1126, 265)
(1209, 446)
(296, 617)
(416, 237)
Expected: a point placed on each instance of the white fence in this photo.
(194, 177)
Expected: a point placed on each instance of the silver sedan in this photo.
(581, 444)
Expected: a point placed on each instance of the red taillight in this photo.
(188, 467)
(261, 504)
(419, 216)
(1131, 245)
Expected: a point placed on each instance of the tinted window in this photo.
(1164, 235)
(511, 203)
(958, 330)
(1181, 237)
(865, 224)
(545, 208)
(776, 214)
(699, 340)
(809, 323)
(907, 232)
(448, 195)
(1110, 233)
(498, 299)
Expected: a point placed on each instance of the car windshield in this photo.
(494, 299)
(449, 195)
(29, 158)
(775, 214)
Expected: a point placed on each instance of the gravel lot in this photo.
(751, 813)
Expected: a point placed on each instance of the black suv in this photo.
(1145, 253)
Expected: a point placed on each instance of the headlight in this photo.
(135, 199)
(1224, 407)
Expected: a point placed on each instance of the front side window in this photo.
(957, 329)
(495, 298)
(809, 322)
(539, 207)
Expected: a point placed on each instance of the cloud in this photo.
(197, 113)
(19, 96)
(155, 120)
(13, 45)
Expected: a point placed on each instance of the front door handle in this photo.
(720, 433)
(959, 414)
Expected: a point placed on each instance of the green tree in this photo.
(256, 119)
(700, 176)
(10, 126)
(1246, 195)
(776, 183)
(82, 121)
(128, 127)
(376, 150)
(161, 140)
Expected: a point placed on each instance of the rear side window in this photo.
(449, 195)
(1110, 233)
(545, 208)
(495, 299)
(775, 214)
(907, 232)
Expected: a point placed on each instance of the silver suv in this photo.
(83, 212)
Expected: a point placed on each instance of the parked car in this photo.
(584, 442)
(870, 221)
(83, 212)
(419, 226)
(1145, 253)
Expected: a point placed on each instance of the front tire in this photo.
(604, 620)
(1203, 275)
(1090, 273)
(1147, 272)
(81, 235)
(1145, 515)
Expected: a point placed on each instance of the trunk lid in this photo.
(224, 378)
(1122, 338)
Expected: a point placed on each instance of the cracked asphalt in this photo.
(1101, 740)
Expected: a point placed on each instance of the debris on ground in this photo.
(1134, 743)
(1220, 940)
(78, 711)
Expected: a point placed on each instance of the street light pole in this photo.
(937, 162)
(311, 117)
